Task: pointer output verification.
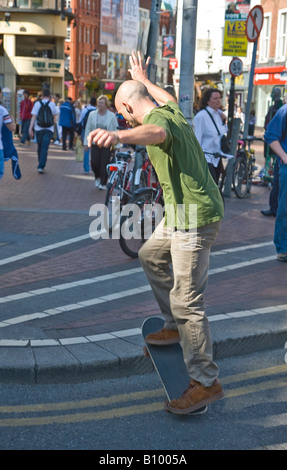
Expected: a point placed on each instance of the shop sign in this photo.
(173, 63)
(46, 67)
(43, 66)
(269, 79)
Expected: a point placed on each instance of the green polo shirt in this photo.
(192, 198)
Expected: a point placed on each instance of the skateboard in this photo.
(168, 362)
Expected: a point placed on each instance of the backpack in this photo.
(45, 116)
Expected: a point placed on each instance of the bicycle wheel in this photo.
(241, 178)
(113, 202)
(140, 218)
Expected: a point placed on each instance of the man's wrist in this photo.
(118, 138)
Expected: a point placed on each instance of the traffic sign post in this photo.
(254, 25)
(235, 69)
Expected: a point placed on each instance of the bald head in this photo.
(131, 91)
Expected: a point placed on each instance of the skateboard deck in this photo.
(168, 362)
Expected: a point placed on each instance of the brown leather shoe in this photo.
(195, 396)
(163, 337)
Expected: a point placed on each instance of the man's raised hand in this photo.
(138, 69)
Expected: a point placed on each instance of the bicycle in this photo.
(244, 166)
(126, 175)
(140, 218)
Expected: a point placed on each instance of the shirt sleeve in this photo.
(156, 118)
(276, 127)
(35, 109)
(6, 117)
(198, 125)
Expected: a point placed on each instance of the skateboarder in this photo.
(181, 239)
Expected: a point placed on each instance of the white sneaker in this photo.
(56, 142)
(97, 182)
(102, 186)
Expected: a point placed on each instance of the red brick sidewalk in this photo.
(61, 199)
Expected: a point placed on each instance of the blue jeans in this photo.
(273, 198)
(43, 140)
(280, 235)
(25, 131)
(86, 162)
(1, 163)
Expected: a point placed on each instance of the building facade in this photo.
(32, 37)
(98, 60)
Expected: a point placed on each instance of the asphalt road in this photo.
(126, 415)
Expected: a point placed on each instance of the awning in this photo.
(276, 75)
(69, 77)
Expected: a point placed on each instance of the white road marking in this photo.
(114, 296)
(128, 333)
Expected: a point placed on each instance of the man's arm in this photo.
(138, 72)
(149, 134)
(33, 119)
(11, 126)
(278, 150)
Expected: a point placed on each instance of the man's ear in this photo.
(128, 107)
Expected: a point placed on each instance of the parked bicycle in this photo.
(141, 216)
(126, 175)
(244, 166)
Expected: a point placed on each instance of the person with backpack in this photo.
(83, 121)
(276, 137)
(43, 119)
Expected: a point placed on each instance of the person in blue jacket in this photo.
(276, 137)
(67, 121)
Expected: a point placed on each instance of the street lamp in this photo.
(95, 55)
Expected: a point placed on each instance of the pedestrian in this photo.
(276, 137)
(102, 118)
(252, 122)
(269, 154)
(26, 107)
(209, 126)
(67, 121)
(240, 115)
(56, 136)
(83, 121)
(182, 240)
(43, 119)
(9, 122)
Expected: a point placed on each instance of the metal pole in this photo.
(230, 165)
(188, 39)
(250, 89)
(231, 102)
(153, 38)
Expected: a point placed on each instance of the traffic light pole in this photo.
(153, 38)
(188, 42)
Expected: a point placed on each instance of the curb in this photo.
(121, 357)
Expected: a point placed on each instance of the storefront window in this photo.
(32, 46)
(30, 3)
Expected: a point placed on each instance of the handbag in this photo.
(224, 141)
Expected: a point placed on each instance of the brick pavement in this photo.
(58, 203)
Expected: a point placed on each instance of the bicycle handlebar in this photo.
(215, 154)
